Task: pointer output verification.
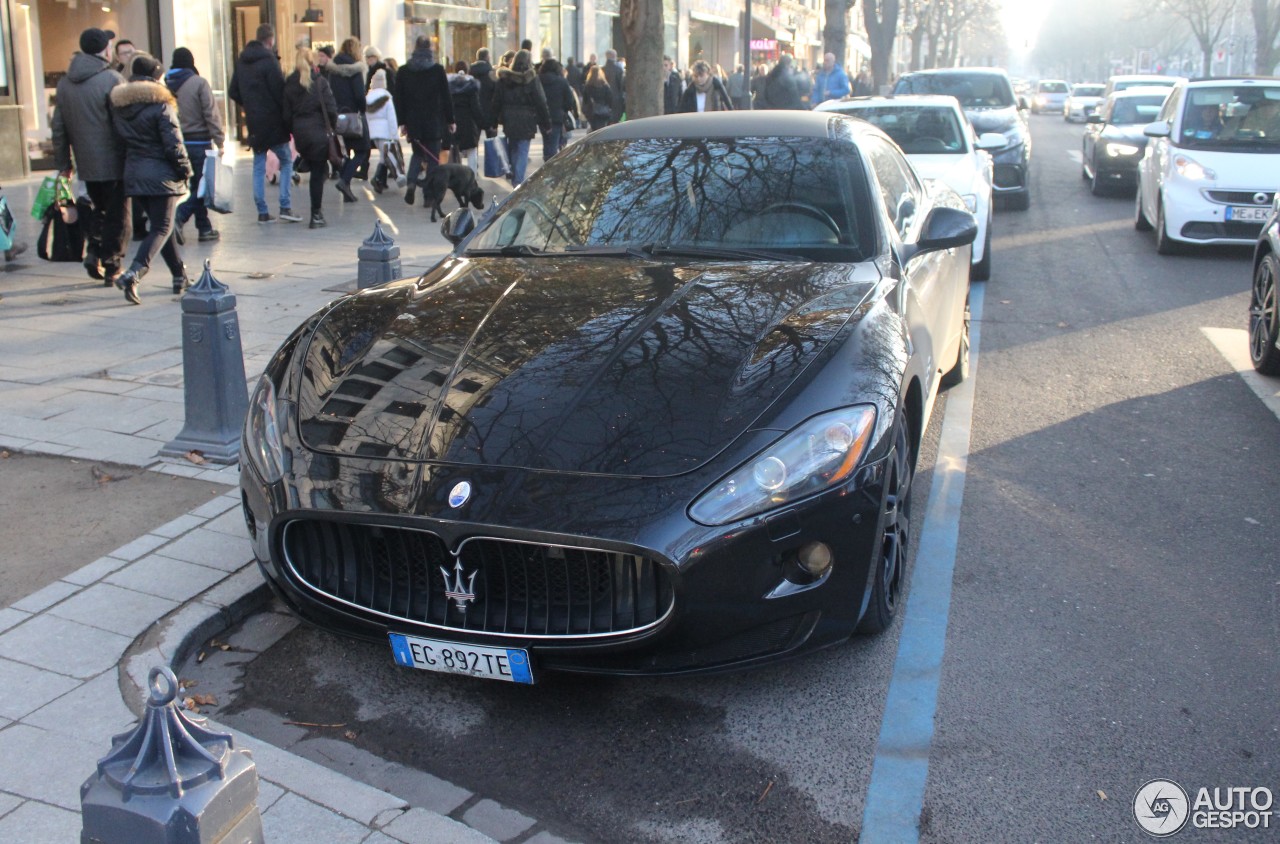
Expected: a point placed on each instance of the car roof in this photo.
(1128, 77)
(939, 100)
(1055, 81)
(1089, 85)
(721, 124)
(1141, 91)
(1219, 81)
(954, 71)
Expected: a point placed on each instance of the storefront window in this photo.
(557, 29)
(312, 23)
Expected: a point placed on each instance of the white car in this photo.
(1050, 96)
(1083, 101)
(940, 143)
(1123, 82)
(1211, 169)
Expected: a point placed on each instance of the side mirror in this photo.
(991, 141)
(1093, 118)
(946, 228)
(1023, 105)
(1159, 129)
(457, 225)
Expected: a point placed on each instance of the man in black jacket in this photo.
(672, 88)
(482, 70)
(617, 79)
(257, 85)
(424, 109)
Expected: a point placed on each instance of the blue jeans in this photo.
(194, 205)
(260, 177)
(518, 155)
(552, 141)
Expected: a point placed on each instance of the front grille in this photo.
(520, 589)
(1218, 231)
(1239, 197)
(1008, 175)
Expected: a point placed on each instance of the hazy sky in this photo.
(1022, 21)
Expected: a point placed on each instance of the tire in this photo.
(1097, 187)
(1264, 316)
(1140, 221)
(960, 369)
(1021, 201)
(1165, 245)
(981, 271)
(1084, 171)
(893, 532)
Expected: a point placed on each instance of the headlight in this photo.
(970, 202)
(1189, 169)
(1117, 150)
(819, 454)
(262, 433)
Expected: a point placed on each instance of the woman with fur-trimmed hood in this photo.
(311, 110)
(520, 106)
(156, 168)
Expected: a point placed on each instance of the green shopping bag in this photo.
(52, 189)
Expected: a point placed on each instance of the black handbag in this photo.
(351, 125)
(61, 240)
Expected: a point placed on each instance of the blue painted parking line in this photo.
(901, 769)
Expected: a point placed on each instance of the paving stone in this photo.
(292, 818)
(94, 571)
(66, 647)
(166, 577)
(8, 803)
(181, 470)
(235, 588)
(210, 548)
(53, 767)
(379, 838)
(178, 526)
(38, 822)
(25, 688)
(94, 711)
(42, 599)
(496, 820)
(418, 788)
(418, 826)
(231, 523)
(112, 608)
(268, 794)
(55, 449)
(14, 443)
(139, 547)
(216, 507)
(545, 837)
(10, 617)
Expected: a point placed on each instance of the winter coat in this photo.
(780, 90)
(199, 117)
(577, 77)
(346, 78)
(380, 111)
(82, 121)
(422, 99)
(145, 115)
(689, 99)
(519, 104)
(829, 86)
(258, 86)
(597, 105)
(671, 92)
(560, 99)
(302, 110)
(617, 79)
(483, 73)
(467, 111)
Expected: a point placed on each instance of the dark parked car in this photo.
(1113, 141)
(1264, 302)
(659, 412)
(991, 106)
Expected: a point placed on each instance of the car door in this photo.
(1155, 159)
(1089, 145)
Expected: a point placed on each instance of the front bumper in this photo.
(1196, 212)
(738, 597)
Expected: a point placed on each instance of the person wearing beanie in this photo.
(201, 123)
(82, 128)
(425, 110)
(257, 85)
(520, 107)
(156, 168)
(384, 131)
(374, 60)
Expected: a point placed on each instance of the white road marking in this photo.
(1233, 344)
(1076, 156)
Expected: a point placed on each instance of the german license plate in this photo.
(1248, 214)
(510, 664)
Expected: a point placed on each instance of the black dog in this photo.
(451, 177)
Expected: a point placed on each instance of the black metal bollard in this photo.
(170, 781)
(216, 392)
(379, 259)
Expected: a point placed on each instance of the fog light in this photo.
(815, 558)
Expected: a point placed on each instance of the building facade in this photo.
(38, 38)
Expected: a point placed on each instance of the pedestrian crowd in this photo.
(137, 136)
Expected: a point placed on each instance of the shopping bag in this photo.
(52, 189)
(216, 182)
(496, 163)
(8, 225)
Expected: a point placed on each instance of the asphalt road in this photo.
(1114, 615)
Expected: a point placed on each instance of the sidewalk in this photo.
(84, 374)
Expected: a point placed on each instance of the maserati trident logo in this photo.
(456, 591)
(460, 494)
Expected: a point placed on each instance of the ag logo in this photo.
(1161, 808)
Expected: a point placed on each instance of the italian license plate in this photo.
(510, 664)
(1248, 214)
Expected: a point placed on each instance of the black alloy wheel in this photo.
(895, 533)
(1264, 316)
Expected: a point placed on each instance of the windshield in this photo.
(1244, 117)
(973, 90)
(921, 130)
(1087, 91)
(1053, 87)
(794, 197)
(1134, 110)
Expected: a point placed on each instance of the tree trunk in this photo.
(917, 46)
(835, 37)
(1266, 26)
(642, 40)
(881, 19)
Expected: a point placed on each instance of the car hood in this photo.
(957, 172)
(1002, 120)
(1129, 134)
(574, 364)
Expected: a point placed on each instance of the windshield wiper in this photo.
(604, 251)
(728, 253)
(513, 251)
